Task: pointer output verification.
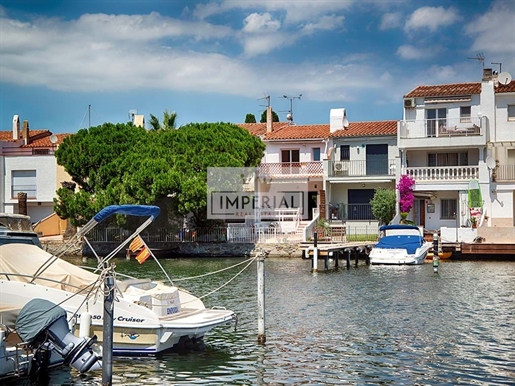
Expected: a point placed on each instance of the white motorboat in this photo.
(401, 244)
(17, 228)
(149, 316)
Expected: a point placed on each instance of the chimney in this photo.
(337, 120)
(25, 132)
(269, 123)
(16, 127)
(139, 120)
(487, 74)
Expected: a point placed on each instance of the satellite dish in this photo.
(490, 163)
(345, 123)
(53, 138)
(504, 78)
(289, 117)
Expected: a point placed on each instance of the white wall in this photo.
(504, 129)
(273, 150)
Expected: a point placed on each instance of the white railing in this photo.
(446, 127)
(505, 173)
(362, 168)
(444, 173)
(314, 168)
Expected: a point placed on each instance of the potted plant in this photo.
(473, 221)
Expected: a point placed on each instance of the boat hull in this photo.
(396, 257)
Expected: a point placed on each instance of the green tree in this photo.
(275, 117)
(169, 121)
(383, 205)
(250, 118)
(168, 167)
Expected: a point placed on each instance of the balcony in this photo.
(291, 169)
(444, 173)
(442, 132)
(504, 173)
(362, 168)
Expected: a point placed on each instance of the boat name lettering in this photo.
(130, 319)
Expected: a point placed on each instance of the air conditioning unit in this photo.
(340, 167)
(409, 103)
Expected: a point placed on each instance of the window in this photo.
(290, 155)
(436, 118)
(447, 159)
(511, 112)
(316, 154)
(41, 151)
(465, 114)
(448, 209)
(23, 181)
(344, 152)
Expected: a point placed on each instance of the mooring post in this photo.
(356, 252)
(107, 340)
(336, 256)
(326, 260)
(315, 252)
(436, 257)
(348, 257)
(261, 297)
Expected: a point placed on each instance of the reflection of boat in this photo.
(401, 244)
(441, 255)
(149, 316)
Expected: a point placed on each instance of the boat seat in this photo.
(124, 284)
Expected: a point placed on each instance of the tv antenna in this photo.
(132, 114)
(289, 116)
(479, 57)
(500, 66)
(267, 97)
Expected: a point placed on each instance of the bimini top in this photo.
(398, 226)
(131, 210)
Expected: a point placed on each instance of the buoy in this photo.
(85, 324)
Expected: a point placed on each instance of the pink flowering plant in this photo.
(406, 198)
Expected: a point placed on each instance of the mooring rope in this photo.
(215, 272)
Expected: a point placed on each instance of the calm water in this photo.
(367, 325)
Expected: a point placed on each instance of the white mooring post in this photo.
(315, 252)
(261, 296)
(436, 257)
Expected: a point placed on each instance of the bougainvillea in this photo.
(406, 198)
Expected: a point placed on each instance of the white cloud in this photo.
(410, 52)
(326, 23)
(494, 34)
(432, 18)
(256, 22)
(390, 20)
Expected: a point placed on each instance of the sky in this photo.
(70, 64)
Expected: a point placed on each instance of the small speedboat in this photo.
(401, 244)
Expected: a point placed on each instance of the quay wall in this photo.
(190, 249)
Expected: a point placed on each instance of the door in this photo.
(377, 160)
(422, 213)
(312, 204)
(436, 118)
(291, 161)
(359, 204)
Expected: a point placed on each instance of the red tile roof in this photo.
(37, 138)
(367, 129)
(298, 132)
(455, 89)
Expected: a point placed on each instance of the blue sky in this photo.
(216, 60)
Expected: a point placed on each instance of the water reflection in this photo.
(366, 325)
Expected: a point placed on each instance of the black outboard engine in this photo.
(43, 324)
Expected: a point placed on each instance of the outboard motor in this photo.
(43, 324)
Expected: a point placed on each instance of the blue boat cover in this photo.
(397, 226)
(408, 242)
(131, 210)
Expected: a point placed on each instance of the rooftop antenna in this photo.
(479, 57)
(267, 97)
(289, 116)
(500, 66)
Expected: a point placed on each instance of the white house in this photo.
(452, 134)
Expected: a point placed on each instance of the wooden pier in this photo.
(315, 251)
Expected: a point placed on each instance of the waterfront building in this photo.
(451, 134)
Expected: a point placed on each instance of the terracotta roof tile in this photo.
(298, 132)
(445, 90)
(367, 129)
(38, 138)
(455, 89)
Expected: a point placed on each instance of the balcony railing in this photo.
(362, 168)
(31, 191)
(444, 173)
(446, 127)
(292, 169)
(504, 173)
(344, 212)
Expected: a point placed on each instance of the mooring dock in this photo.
(345, 251)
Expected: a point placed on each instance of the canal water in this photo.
(402, 325)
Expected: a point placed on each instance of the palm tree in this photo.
(169, 121)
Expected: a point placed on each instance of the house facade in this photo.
(451, 135)
(29, 167)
